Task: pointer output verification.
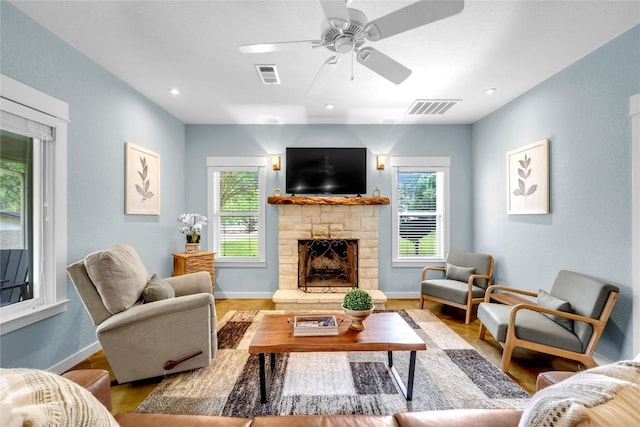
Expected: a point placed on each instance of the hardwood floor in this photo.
(524, 368)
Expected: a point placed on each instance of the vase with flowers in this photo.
(192, 227)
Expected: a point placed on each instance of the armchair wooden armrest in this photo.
(534, 307)
(475, 277)
(585, 357)
(424, 271)
(490, 289)
(584, 293)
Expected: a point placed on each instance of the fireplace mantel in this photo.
(327, 200)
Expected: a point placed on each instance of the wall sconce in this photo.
(275, 162)
(380, 161)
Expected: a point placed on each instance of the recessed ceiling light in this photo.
(174, 91)
(490, 91)
(329, 106)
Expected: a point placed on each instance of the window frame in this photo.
(229, 164)
(420, 164)
(51, 297)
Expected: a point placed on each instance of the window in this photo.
(33, 205)
(237, 210)
(421, 206)
(16, 212)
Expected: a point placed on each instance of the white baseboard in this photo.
(74, 359)
(402, 295)
(601, 360)
(269, 295)
(243, 295)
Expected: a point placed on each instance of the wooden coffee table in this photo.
(384, 332)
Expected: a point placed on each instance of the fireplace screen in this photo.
(326, 265)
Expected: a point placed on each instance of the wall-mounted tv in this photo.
(314, 170)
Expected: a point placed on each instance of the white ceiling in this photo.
(192, 45)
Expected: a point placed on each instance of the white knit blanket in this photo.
(29, 397)
(572, 401)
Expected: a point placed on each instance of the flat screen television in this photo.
(313, 170)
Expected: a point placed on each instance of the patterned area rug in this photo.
(449, 374)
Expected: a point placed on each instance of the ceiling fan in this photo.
(345, 30)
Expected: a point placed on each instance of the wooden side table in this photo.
(184, 263)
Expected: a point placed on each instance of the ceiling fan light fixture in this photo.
(344, 30)
(344, 44)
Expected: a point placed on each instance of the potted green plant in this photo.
(357, 304)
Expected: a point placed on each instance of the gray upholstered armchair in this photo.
(147, 326)
(460, 283)
(567, 321)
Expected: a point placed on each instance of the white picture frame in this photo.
(142, 181)
(528, 179)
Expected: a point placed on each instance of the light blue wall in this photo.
(583, 111)
(394, 140)
(104, 113)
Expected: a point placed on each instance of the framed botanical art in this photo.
(528, 179)
(142, 181)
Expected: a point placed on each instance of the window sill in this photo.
(28, 316)
(241, 264)
(417, 263)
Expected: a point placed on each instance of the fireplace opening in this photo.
(326, 265)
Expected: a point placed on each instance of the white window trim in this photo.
(236, 162)
(634, 113)
(32, 104)
(435, 164)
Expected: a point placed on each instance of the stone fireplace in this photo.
(324, 265)
(326, 219)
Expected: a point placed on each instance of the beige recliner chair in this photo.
(146, 328)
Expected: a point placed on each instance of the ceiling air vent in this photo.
(268, 74)
(431, 107)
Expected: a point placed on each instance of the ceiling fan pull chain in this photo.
(352, 55)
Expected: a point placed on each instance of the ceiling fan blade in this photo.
(383, 65)
(324, 74)
(278, 46)
(413, 16)
(336, 12)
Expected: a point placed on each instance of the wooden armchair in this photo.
(14, 283)
(461, 283)
(567, 322)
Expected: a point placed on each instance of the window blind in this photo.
(420, 213)
(23, 126)
(238, 208)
